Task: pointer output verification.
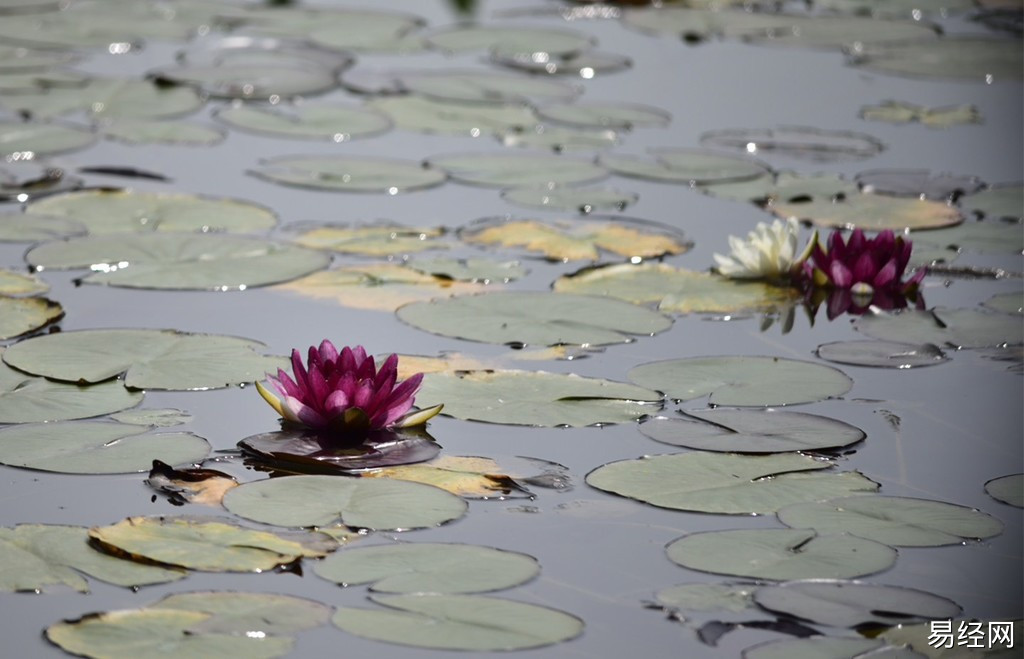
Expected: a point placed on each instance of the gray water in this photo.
(601, 556)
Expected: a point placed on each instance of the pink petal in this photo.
(337, 402)
(305, 414)
(328, 353)
(840, 275)
(857, 242)
(886, 276)
(299, 370)
(865, 268)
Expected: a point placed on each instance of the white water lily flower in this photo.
(770, 252)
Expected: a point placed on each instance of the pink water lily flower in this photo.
(862, 264)
(345, 392)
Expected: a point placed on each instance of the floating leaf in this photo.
(686, 166)
(558, 139)
(849, 604)
(95, 447)
(1006, 303)
(15, 284)
(208, 544)
(151, 632)
(586, 64)
(342, 28)
(429, 568)
(160, 418)
(427, 115)
(1008, 489)
(150, 359)
(202, 486)
(40, 555)
(473, 270)
(960, 328)
(976, 58)
(349, 174)
(20, 316)
(707, 597)
(378, 287)
(576, 240)
(242, 613)
(740, 381)
(486, 87)
(373, 239)
(871, 212)
(987, 237)
(752, 431)
(676, 290)
(25, 228)
(180, 261)
(329, 122)
(534, 318)
(898, 521)
(507, 40)
(780, 554)
(583, 200)
(997, 202)
(784, 188)
(469, 477)
(516, 170)
(814, 144)
(310, 452)
(900, 112)
(535, 398)
(28, 141)
(162, 132)
(459, 622)
(726, 483)
(921, 639)
(620, 116)
(117, 211)
(919, 183)
(253, 77)
(109, 98)
(883, 354)
(324, 500)
(821, 647)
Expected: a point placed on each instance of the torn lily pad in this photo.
(731, 597)
(19, 316)
(181, 486)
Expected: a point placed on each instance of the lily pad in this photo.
(325, 500)
(25, 228)
(535, 398)
(343, 28)
(534, 318)
(823, 647)
(467, 476)
(15, 284)
(676, 290)
(428, 115)
(583, 200)
(254, 78)
(919, 183)
(618, 116)
(1008, 489)
(149, 359)
(311, 452)
(1006, 303)
(516, 170)
(734, 598)
(571, 240)
(162, 132)
(686, 166)
(326, 122)
(959, 328)
(373, 239)
(849, 604)
(349, 174)
(743, 381)
(180, 261)
(20, 316)
(897, 521)
(150, 632)
(900, 112)
(241, 613)
(429, 568)
(987, 237)
(780, 554)
(726, 483)
(997, 202)
(872, 212)
(159, 418)
(486, 87)
(752, 431)
(119, 211)
(585, 65)
(459, 622)
(507, 40)
(975, 58)
(559, 139)
(482, 271)
(784, 188)
(882, 354)
(108, 98)
(207, 544)
(28, 141)
(95, 447)
(803, 143)
(39, 555)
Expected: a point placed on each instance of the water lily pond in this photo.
(656, 440)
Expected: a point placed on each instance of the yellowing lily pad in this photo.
(900, 112)
(373, 239)
(871, 212)
(15, 284)
(23, 315)
(470, 477)
(676, 290)
(575, 240)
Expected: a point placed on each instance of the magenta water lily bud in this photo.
(862, 264)
(345, 392)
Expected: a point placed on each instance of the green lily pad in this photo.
(149, 359)
(208, 544)
(108, 98)
(39, 555)
(752, 431)
(780, 554)
(534, 318)
(119, 211)
(734, 598)
(25, 228)
(918, 183)
(14, 59)
(583, 200)
(618, 116)
(20, 316)
(459, 622)
(524, 40)
(239, 613)
(585, 65)
(326, 122)
(180, 261)
(372, 239)
(1008, 489)
(872, 212)
(999, 201)
(152, 632)
(34, 82)
(803, 143)
(95, 447)
(1006, 303)
(516, 170)
(482, 271)
(987, 237)
(162, 132)
(571, 240)
(975, 58)
(686, 166)
(15, 284)
(27, 141)
(897, 521)
(823, 647)
(159, 418)
(849, 604)
(559, 139)
(726, 483)
(349, 174)
(960, 328)
(743, 381)
(900, 112)
(429, 568)
(428, 115)
(882, 354)
(325, 500)
(486, 87)
(676, 290)
(535, 398)
(784, 188)
(904, 8)
(254, 78)
(342, 28)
